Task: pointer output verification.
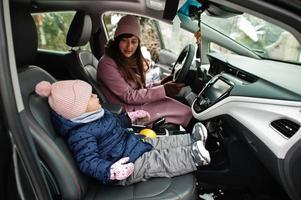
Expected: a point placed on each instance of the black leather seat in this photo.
(64, 178)
(82, 64)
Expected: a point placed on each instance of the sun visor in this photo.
(171, 9)
(218, 10)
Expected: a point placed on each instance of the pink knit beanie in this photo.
(128, 24)
(67, 98)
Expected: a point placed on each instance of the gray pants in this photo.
(171, 156)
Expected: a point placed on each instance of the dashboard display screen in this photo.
(216, 90)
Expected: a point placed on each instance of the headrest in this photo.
(25, 36)
(80, 30)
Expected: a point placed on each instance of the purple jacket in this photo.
(118, 90)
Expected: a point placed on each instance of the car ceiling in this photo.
(283, 13)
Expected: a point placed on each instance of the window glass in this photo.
(155, 35)
(52, 30)
(263, 38)
(175, 39)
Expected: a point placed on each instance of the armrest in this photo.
(114, 108)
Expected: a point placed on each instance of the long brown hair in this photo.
(131, 67)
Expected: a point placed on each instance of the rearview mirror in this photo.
(192, 8)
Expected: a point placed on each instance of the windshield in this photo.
(263, 38)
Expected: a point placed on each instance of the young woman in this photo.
(122, 77)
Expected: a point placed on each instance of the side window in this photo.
(149, 35)
(175, 39)
(155, 35)
(219, 49)
(52, 30)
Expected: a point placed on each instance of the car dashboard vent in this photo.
(285, 127)
(232, 71)
(244, 76)
(240, 74)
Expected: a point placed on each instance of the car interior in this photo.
(55, 154)
(250, 105)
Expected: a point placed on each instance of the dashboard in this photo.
(258, 78)
(250, 90)
(262, 95)
(240, 76)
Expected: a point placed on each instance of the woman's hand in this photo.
(172, 88)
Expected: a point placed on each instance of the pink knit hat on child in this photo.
(128, 24)
(67, 98)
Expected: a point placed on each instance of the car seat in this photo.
(63, 177)
(82, 64)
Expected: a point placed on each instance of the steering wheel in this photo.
(183, 63)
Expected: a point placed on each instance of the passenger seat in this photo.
(82, 64)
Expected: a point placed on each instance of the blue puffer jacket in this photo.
(98, 144)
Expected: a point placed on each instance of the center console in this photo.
(217, 89)
(232, 162)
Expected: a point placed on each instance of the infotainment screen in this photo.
(216, 90)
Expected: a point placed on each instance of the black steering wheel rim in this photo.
(183, 63)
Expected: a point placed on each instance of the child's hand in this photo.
(139, 116)
(120, 171)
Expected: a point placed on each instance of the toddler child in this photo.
(106, 149)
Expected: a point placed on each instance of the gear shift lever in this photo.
(157, 124)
